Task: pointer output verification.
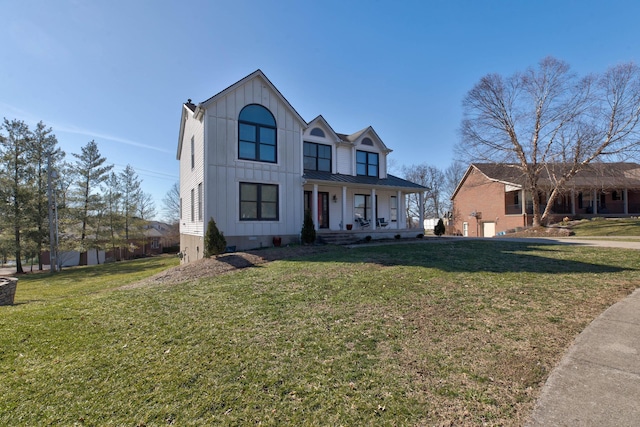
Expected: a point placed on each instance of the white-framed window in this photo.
(394, 208)
(193, 153)
(362, 206)
(193, 205)
(200, 202)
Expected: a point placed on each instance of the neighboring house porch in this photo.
(583, 203)
(492, 198)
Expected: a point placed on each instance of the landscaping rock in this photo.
(8, 287)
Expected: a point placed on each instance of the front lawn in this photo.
(457, 332)
(607, 227)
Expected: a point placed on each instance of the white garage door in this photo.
(488, 229)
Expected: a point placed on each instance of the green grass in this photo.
(78, 281)
(460, 332)
(607, 227)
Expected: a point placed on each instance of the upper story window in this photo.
(317, 157)
(367, 141)
(257, 134)
(193, 153)
(366, 163)
(317, 132)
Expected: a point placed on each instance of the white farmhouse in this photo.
(251, 162)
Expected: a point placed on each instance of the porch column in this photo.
(314, 206)
(573, 202)
(625, 194)
(594, 202)
(374, 209)
(345, 221)
(523, 202)
(421, 207)
(399, 210)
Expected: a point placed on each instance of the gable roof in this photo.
(322, 121)
(368, 130)
(256, 74)
(198, 110)
(594, 175)
(187, 108)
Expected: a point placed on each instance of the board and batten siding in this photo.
(225, 171)
(190, 178)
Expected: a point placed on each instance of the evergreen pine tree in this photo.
(439, 229)
(214, 241)
(308, 233)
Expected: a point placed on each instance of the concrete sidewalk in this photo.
(597, 383)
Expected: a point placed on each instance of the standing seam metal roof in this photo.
(390, 181)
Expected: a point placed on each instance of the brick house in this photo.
(491, 198)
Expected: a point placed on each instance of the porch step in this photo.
(339, 238)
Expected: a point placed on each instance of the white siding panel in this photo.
(247, 96)
(189, 178)
(220, 107)
(344, 161)
(232, 111)
(383, 165)
(231, 141)
(239, 102)
(255, 88)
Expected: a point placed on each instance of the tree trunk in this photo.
(550, 201)
(19, 269)
(536, 209)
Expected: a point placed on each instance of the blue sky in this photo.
(118, 71)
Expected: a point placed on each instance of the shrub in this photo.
(439, 229)
(214, 241)
(420, 236)
(308, 233)
(397, 237)
(368, 238)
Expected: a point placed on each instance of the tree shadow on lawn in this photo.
(490, 256)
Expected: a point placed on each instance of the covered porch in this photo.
(584, 203)
(358, 204)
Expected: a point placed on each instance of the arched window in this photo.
(257, 138)
(367, 141)
(317, 132)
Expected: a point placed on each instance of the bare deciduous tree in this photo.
(432, 178)
(171, 204)
(552, 123)
(452, 176)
